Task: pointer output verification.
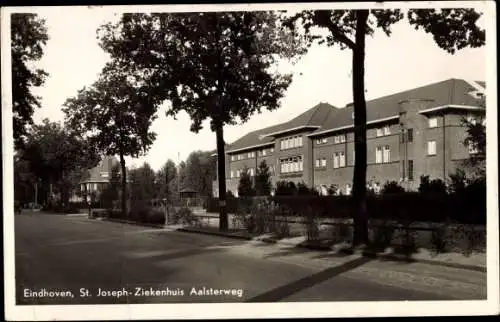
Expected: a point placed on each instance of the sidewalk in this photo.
(475, 262)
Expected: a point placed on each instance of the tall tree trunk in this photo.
(358, 85)
(221, 171)
(124, 185)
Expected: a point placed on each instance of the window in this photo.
(233, 158)
(378, 155)
(409, 135)
(272, 150)
(341, 159)
(318, 141)
(380, 132)
(339, 139)
(433, 122)
(410, 170)
(387, 130)
(472, 119)
(238, 173)
(323, 162)
(291, 165)
(271, 170)
(324, 140)
(240, 157)
(336, 160)
(232, 174)
(301, 164)
(264, 152)
(318, 162)
(249, 155)
(431, 148)
(251, 171)
(282, 144)
(387, 154)
(104, 174)
(342, 138)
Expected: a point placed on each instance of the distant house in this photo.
(97, 179)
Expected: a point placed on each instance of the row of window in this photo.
(291, 142)
(251, 172)
(383, 154)
(381, 131)
(290, 165)
(251, 155)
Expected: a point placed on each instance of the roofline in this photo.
(445, 107)
(384, 119)
(291, 129)
(250, 147)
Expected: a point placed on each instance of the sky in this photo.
(407, 59)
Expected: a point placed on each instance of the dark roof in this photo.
(104, 167)
(315, 116)
(451, 91)
(483, 84)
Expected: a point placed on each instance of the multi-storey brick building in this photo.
(409, 134)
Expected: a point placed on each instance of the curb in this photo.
(214, 233)
(133, 223)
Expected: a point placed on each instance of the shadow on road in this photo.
(290, 251)
(304, 283)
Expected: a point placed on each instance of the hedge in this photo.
(406, 206)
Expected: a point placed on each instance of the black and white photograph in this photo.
(250, 160)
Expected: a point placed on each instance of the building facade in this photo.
(409, 134)
(97, 179)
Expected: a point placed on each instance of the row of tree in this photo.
(220, 66)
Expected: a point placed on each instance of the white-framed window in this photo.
(378, 155)
(318, 162)
(232, 158)
(431, 148)
(387, 154)
(232, 174)
(300, 141)
(380, 132)
(282, 144)
(271, 150)
(323, 162)
(296, 141)
(264, 152)
(240, 157)
(433, 122)
(341, 159)
(336, 160)
(238, 172)
(294, 164)
(322, 141)
(387, 130)
(339, 138)
(318, 141)
(342, 138)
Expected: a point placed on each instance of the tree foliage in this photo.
(263, 183)
(216, 66)
(55, 155)
(245, 185)
(200, 172)
(452, 30)
(115, 115)
(167, 178)
(28, 36)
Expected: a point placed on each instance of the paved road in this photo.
(72, 253)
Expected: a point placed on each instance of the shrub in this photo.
(382, 235)
(332, 190)
(184, 216)
(392, 187)
(439, 239)
(312, 223)
(341, 232)
(285, 188)
(432, 186)
(156, 217)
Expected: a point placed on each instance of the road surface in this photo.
(75, 260)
